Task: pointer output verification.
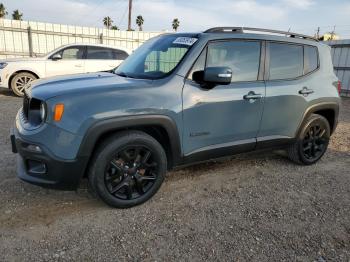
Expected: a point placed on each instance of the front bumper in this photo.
(43, 168)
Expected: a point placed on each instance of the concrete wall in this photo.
(15, 40)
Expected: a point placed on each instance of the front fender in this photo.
(97, 130)
(39, 73)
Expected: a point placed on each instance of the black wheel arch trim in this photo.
(21, 71)
(317, 107)
(102, 127)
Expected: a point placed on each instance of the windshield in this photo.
(156, 58)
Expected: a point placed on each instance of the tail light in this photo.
(339, 87)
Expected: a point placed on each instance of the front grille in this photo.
(26, 102)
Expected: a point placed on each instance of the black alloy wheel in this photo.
(131, 173)
(312, 141)
(315, 142)
(127, 169)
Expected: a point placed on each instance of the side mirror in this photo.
(217, 75)
(56, 57)
(198, 76)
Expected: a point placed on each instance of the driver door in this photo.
(71, 62)
(220, 119)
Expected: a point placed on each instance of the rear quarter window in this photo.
(119, 54)
(311, 59)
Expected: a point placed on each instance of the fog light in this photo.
(36, 167)
(34, 148)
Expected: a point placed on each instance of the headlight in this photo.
(42, 112)
(3, 65)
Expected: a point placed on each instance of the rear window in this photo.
(286, 61)
(311, 59)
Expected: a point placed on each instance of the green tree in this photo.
(3, 11)
(114, 27)
(139, 22)
(16, 15)
(107, 21)
(176, 24)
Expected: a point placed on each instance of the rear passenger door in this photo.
(102, 58)
(289, 88)
(222, 118)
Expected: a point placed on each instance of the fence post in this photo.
(101, 38)
(30, 41)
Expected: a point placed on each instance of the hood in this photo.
(92, 82)
(23, 59)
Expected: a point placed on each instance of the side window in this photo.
(243, 57)
(95, 52)
(164, 61)
(286, 61)
(119, 54)
(311, 59)
(74, 52)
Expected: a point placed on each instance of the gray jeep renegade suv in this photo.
(179, 99)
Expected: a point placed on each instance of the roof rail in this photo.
(242, 29)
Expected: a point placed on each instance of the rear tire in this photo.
(20, 81)
(127, 169)
(312, 142)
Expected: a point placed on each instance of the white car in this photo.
(69, 59)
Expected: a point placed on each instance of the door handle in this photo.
(78, 65)
(252, 95)
(306, 91)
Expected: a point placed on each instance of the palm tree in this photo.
(176, 24)
(107, 21)
(3, 11)
(114, 27)
(16, 15)
(139, 22)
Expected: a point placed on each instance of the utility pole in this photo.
(332, 34)
(129, 20)
(317, 34)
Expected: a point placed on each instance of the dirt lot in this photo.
(252, 207)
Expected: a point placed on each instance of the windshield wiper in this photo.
(122, 74)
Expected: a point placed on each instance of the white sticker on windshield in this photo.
(185, 41)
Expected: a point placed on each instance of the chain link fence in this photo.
(28, 38)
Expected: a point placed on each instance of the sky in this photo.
(301, 16)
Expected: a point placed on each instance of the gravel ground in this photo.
(256, 206)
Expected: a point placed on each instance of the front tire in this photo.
(312, 142)
(20, 81)
(127, 169)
